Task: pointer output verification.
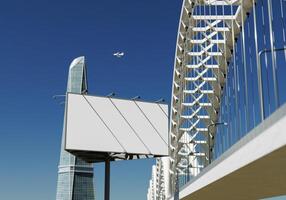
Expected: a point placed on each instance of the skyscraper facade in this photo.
(75, 176)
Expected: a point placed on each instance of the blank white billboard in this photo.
(97, 124)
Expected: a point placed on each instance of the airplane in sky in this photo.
(118, 54)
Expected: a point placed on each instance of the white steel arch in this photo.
(205, 44)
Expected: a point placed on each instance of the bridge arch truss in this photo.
(207, 35)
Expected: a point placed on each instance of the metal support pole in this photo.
(107, 180)
(260, 83)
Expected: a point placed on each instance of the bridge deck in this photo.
(253, 168)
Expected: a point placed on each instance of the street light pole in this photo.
(260, 83)
(209, 137)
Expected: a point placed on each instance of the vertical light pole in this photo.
(260, 83)
(209, 137)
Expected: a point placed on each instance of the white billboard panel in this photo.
(97, 124)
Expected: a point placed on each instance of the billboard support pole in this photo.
(107, 180)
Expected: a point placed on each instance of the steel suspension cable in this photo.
(283, 26)
(245, 73)
(251, 75)
(236, 122)
(259, 73)
(273, 53)
(265, 58)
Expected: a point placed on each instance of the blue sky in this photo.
(38, 41)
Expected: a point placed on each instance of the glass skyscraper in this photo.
(75, 176)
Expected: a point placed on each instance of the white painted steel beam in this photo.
(204, 47)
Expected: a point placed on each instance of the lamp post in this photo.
(260, 83)
(209, 137)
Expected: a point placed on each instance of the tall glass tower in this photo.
(75, 176)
